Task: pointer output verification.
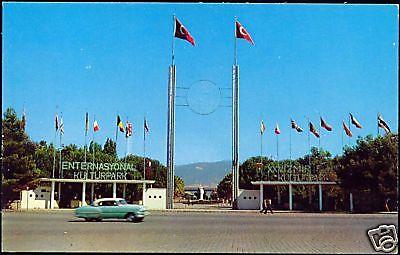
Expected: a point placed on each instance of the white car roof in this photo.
(107, 199)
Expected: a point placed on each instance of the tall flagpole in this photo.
(342, 139)
(235, 125)
(93, 145)
(350, 130)
(290, 142)
(309, 144)
(171, 126)
(144, 149)
(173, 40)
(54, 145)
(60, 174)
(320, 134)
(86, 131)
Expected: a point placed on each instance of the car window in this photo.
(122, 202)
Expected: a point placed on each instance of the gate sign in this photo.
(295, 173)
(99, 171)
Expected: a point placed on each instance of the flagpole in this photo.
(93, 149)
(290, 143)
(86, 123)
(144, 149)
(342, 139)
(309, 144)
(350, 131)
(54, 145)
(235, 48)
(173, 39)
(116, 134)
(60, 170)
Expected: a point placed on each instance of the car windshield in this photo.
(122, 202)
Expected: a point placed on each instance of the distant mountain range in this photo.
(204, 173)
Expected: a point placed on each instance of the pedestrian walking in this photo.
(267, 205)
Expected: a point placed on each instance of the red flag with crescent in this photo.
(241, 32)
(182, 33)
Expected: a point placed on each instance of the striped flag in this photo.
(347, 130)
(120, 124)
(313, 130)
(295, 126)
(325, 125)
(354, 121)
(61, 126)
(262, 127)
(383, 124)
(128, 132)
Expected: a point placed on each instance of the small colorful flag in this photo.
(120, 124)
(354, 121)
(241, 32)
(277, 131)
(313, 130)
(347, 130)
(182, 33)
(325, 125)
(95, 126)
(383, 124)
(295, 126)
(146, 127)
(128, 129)
(86, 123)
(61, 126)
(262, 127)
(56, 122)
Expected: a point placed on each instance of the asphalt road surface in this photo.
(193, 232)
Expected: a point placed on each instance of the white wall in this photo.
(36, 199)
(155, 199)
(249, 199)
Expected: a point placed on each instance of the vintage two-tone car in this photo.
(106, 208)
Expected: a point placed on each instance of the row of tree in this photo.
(368, 170)
(25, 161)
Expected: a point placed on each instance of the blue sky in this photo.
(113, 58)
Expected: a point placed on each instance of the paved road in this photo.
(193, 232)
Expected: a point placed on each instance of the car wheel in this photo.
(130, 217)
(97, 219)
(88, 219)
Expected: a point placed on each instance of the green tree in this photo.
(179, 189)
(224, 188)
(369, 171)
(18, 166)
(110, 148)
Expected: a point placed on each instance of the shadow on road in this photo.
(115, 221)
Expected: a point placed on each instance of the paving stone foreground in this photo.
(242, 232)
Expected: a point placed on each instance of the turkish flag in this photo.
(242, 33)
(182, 33)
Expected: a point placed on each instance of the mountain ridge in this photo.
(203, 173)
